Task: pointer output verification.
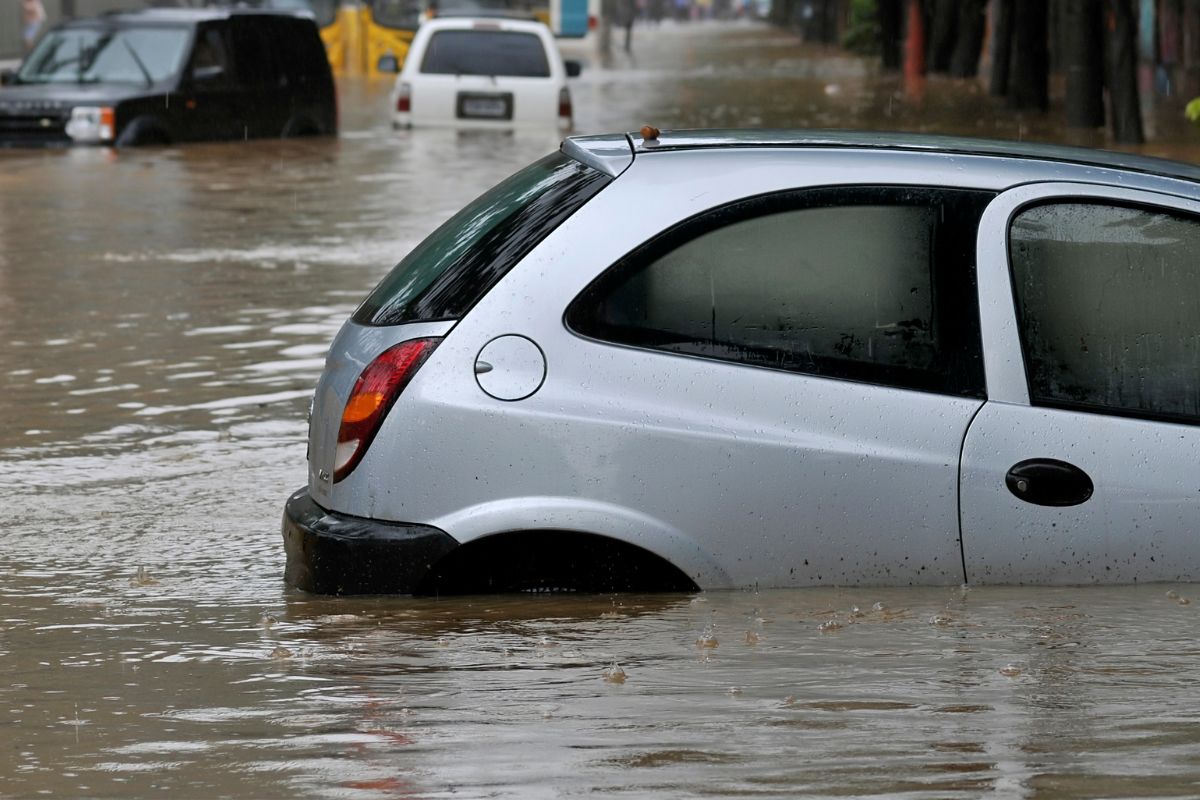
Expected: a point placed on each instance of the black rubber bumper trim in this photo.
(331, 553)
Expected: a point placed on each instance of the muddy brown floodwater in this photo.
(164, 315)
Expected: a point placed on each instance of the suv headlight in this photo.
(91, 124)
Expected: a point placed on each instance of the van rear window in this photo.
(487, 52)
(459, 262)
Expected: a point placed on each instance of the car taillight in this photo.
(564, 103)
(404, 98)
(373, 396)
(593, 22)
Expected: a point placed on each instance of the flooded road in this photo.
(165, 315)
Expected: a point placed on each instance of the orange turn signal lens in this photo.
(361, 407)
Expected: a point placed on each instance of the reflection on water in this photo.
(165, 315)
(118, 688)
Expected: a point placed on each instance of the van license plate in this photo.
(485, 106)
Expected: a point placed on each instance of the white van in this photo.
(481, 72)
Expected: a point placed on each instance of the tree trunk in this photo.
(1083, 61)
(1122, 73)
(1191, 47)
(972, 22)
(914, 43)
(891, 31)
(1029, 67)
(1001, 46)
(943, 25)
(781, 12)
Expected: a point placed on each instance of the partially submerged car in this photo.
(756, 359)
(171, 75)
(482, 72)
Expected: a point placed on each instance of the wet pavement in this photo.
(165, 314)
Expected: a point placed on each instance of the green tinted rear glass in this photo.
(448, 272)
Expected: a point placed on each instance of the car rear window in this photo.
(486, 52)
(459, 262)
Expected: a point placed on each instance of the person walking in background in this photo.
(33, 16)
(627, 14)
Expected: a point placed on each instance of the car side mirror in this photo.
(573, 68)
(388, 63)
(7, 77)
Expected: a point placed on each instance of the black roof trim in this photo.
(956, 145)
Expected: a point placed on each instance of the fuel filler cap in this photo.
(510, 367)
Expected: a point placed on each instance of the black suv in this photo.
(171, 75)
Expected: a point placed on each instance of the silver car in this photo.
(758, 359)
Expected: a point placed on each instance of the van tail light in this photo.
(373, 396)
(593, 22)
(404, 99)
(564, 103)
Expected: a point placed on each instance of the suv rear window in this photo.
(486, 52)
(459, 262)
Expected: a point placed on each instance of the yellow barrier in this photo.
(335, 44)
(381, 40)
(354, 42)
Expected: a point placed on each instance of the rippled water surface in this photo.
(165, 314)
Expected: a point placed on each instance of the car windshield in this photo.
(106, 55)
(486, 52)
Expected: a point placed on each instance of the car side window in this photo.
(1108, 300)
(210, 67)
(872, 284)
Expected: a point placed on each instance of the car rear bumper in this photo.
(331, 553)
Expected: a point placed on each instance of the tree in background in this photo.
(1083, 62)
(891, 32)
(968, 43)
(1094, 43)
(1020, 51)
(1029, 64)
(1122, 73)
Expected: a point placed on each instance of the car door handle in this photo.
(1049, 482)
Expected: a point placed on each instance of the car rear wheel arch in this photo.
(552, 561)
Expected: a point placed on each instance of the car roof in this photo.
(615, 151)
(176, 16)
(485, 22)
